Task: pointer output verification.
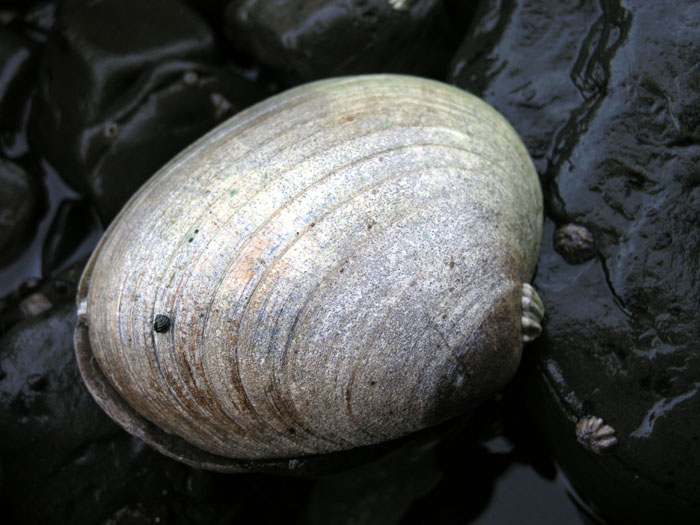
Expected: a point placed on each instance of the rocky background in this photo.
(95, 95)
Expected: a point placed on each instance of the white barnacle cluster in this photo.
(595, 435)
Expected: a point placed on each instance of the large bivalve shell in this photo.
(337, 266)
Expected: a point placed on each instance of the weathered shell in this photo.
(340, 265)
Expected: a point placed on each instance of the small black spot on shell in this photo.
(161, 324)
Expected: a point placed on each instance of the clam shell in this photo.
(339, 265)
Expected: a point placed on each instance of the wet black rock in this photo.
(323, 38)
(515, 57)
(35, 296)
(471, 470)
(42, 427)
(73, 235)
(23, 277)
(606, 97)
(18, 58)
(38, 20)
(19, 203)
(125, 85)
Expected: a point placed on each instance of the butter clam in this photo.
(338, 266)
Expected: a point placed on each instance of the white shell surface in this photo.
(328, 259)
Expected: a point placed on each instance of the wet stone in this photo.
(74, 233)
(596, 91)
(513, 57)
(18, 209)
(39, 19)
(37, 382)
(35, 296)
(18, 61)
(323, 38)
(116, 84)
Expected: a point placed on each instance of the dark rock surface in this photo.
(323, 38)
(124, 85)
(479, 470)
(607, 98)
(34, 296)
(19, 206)
(74, 232)
(45, 412)
(18, 57)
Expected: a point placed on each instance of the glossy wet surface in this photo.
(605, 96)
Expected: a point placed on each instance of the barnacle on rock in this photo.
(574, 243)
(595, 435)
